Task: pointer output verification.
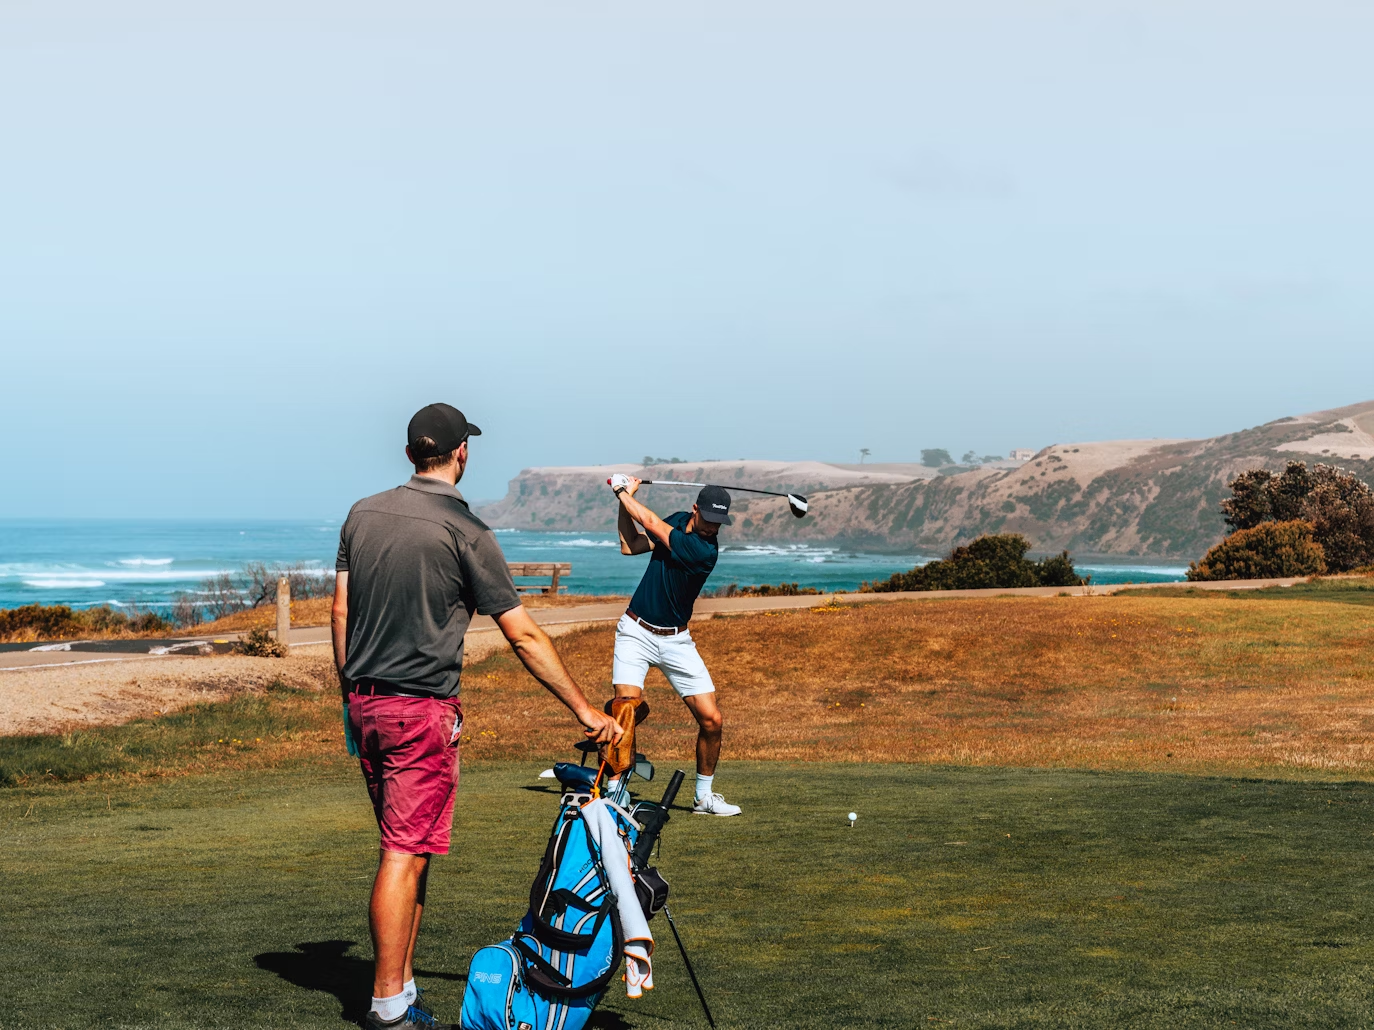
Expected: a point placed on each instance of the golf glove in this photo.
(349, 742)
(619, 481)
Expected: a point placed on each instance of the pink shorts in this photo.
(409, 755)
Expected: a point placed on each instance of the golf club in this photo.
(794, 501)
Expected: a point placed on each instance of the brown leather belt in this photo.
(379, 688)
(658, 631)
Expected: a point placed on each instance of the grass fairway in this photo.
(973, 897)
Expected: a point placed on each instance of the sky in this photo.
(240, 243)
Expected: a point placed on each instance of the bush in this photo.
(62, 622)
(252, 587)
(996, 560)
(1338, 506)
(259, 643)
(763, 590)
(1271, 550)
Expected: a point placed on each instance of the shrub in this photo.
(259, 643)
(1270, 550)
(1338, 506)
(764, 590)
(60, 621)
(995, 560)
(252, 587)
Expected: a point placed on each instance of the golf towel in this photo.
(605, 821)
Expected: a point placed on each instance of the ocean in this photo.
(148, 563)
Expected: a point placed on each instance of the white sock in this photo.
(408, 989)
(390, 1009)
(704, 786)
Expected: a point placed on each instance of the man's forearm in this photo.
(653, 525)
(536, 652)
(338, 628)
(339, 631)
(632, 539)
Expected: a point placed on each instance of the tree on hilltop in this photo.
(935, 457)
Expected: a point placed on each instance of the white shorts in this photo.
(676, 657)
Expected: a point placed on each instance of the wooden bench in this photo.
(551, 569)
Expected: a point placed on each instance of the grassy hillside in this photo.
(1149, 498)
(1160, 502)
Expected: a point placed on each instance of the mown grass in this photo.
(1341, 590)
(962, 897)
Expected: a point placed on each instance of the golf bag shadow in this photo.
(552, 972)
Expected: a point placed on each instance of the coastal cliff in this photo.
(1144, 498)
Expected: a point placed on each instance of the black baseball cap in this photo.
(714, 504)
(442, 423)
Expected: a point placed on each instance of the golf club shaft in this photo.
(653, 823)
(746, 489)
(690, 971)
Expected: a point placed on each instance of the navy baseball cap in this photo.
(442, 423)
(714, 504)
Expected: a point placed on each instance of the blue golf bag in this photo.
(552, 972)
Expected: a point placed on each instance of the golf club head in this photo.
(798, 505)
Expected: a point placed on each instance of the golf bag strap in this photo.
(538, 962)
(545, 931)
(545, 979)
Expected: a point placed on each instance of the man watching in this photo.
(414, 564)
(653, 630)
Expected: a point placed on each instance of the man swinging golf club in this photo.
(413, 566)
(653, 630)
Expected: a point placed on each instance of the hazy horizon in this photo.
(244, 242)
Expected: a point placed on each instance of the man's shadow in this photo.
(327, 966)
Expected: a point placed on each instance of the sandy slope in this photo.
(1141, 498)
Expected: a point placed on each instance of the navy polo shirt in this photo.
(675, 575)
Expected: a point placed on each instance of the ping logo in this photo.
(487, 978)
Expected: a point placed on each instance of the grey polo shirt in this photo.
(419, 563)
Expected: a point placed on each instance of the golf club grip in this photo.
(653, 823)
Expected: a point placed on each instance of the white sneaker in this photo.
(714, 804)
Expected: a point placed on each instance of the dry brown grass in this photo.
(310, 611)
(314, 611)
(1182, 684)
(570, 600)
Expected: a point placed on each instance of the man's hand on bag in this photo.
(599, 726)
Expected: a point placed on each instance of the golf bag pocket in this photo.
(652, 890)
(496, 998)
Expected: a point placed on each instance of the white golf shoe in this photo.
(714, 804)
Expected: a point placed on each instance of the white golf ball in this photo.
(853, 816)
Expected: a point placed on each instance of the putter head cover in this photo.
(619, 481)
(621, 755)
